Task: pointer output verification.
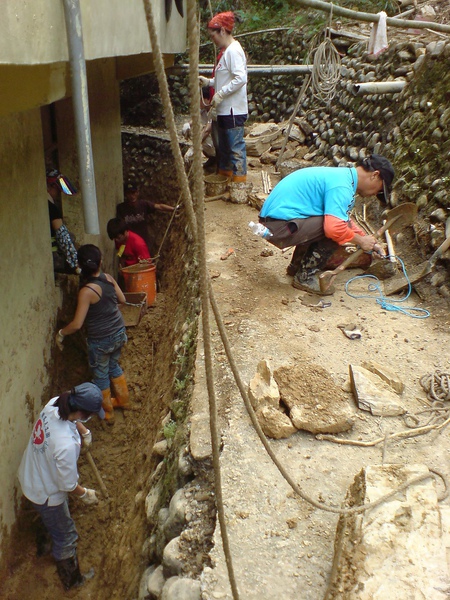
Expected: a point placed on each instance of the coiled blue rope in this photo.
(374, 287)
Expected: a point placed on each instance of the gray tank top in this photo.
(104, 317)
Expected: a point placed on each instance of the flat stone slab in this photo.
(373, 394)
(315, 402)
(386, 374)
(397, 550)
(200, 436)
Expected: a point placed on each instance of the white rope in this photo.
(326, 63)
(326, 71)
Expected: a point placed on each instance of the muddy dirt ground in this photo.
(278, 541)
(112, 533)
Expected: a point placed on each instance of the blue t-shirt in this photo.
(313, 192)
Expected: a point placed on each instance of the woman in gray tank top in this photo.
(98, 308)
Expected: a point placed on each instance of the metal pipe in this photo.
(251, 69)
(72, 14)
(378, 87)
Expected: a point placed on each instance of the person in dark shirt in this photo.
(97, 306)
(63, 249)
(135, 212)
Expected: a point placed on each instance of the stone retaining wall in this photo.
(410, 127)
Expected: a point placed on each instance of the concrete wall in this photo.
(30, 298)
(104, 109)
(28, 294)
(34, 67)
(35, 32)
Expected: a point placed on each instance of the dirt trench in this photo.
(111, 535)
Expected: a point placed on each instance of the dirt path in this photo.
(112, 533)
(282, 546)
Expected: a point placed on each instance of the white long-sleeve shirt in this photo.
(48, 470)
(230, 78)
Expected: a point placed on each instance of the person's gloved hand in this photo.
(89, 497)
(203, 81)
(59, 339)
(87, 439)
(217, 99)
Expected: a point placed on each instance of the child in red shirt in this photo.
(131, 247)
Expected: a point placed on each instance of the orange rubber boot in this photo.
(107, 406)
(122, 396)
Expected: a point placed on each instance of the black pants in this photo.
(294, 233)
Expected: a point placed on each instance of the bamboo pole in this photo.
(371, 17)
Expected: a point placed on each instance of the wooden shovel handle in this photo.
(96, 473)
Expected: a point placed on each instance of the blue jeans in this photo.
(104, 354)
(61, 527)
(232, 153)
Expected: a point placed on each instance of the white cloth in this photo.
(230, 77)
(207, 144)
(378, 35)
(49, 464)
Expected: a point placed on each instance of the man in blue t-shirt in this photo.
(309, 209)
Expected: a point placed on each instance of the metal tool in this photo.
(397, 283)
(397, 218)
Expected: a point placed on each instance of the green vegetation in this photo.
(169, 430)
(264, 14)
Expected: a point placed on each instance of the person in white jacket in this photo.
(48, 471)
(230, 98)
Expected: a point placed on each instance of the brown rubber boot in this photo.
(107, 406)
(121, 395)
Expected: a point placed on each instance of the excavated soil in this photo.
(112, 533)
(278, 542)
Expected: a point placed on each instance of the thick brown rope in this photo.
(196, 222)
(437, 386)
(169, 117)
(194, 38)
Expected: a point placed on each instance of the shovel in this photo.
(97, 474)
(397, 283)
(397, 218)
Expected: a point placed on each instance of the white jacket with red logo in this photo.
(48, 470)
